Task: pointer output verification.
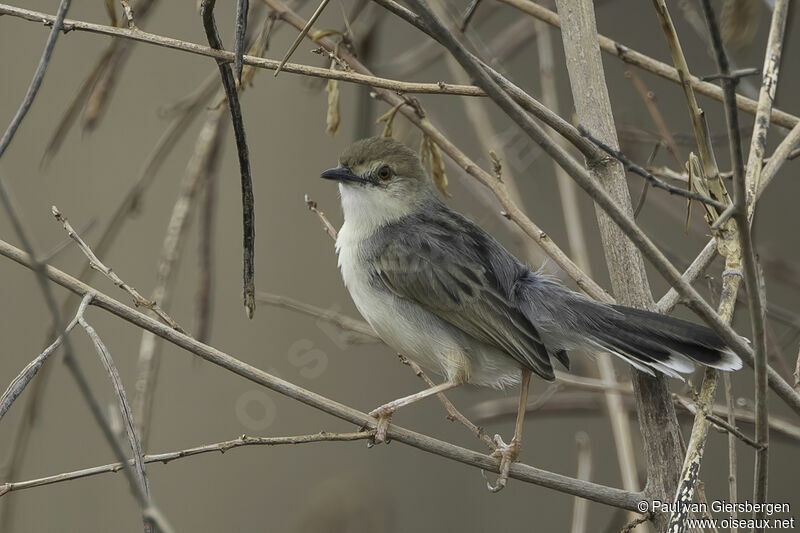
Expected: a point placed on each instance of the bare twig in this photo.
(568, 190)
(302, 35)
(345, 322)
(248, 201)
(609, 205)
(38, 76)
(796, 374)
(126, 207)
(19, 383)
(453, 412)
(257, 62)
(651, 179)
(326, 225)
(126, 8)
(124, 406)
(592, 491)
(242, 7)
(640, 60)
(752, 274)
(588, 400)
(164, 458)
(580, 509)
(150, 518)
(656, 415)
(201, 164)
(95, 263)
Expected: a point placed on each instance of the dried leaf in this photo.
(332, 118)
(388, 117)
(321, 34)
(437, 167)
(739, 22)
(430, 154)
(112, 11)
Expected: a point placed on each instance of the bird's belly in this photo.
(418, 334)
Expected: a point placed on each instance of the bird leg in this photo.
(384, 412)
(508, 453)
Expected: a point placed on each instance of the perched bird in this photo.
(438, 289)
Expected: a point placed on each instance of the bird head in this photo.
(381, 179)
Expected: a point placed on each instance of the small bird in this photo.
(438, 289)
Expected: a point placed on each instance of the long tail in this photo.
(664, 343)
(648, 341)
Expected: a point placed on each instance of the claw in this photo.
(383, 414)
(507, 454)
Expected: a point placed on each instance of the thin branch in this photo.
(124, 406)
(733, 430)
(468, 14)
(587, 399)
(345, 322)
(499, 190)
(453, 412)
(242, 7)
(95, 263)
(302, 35)
(640, 60)
(38, 76)
(40, 269)
(248, 201)
(580, 509)
(258, 62)
(651, 179)
(132, 199)
(201, 164)
(752, 274)
(164, 458)
(568, 193)
(126, 8)
(326, 225)
(19, 383)
(592, 491)
(626, 223)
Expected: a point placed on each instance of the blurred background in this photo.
(329, 487)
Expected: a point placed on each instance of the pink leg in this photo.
(508, 453)
(384, 412)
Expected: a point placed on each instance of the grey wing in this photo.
(452, 276)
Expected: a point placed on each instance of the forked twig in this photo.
(95, 263)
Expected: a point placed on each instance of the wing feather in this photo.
(463, 277)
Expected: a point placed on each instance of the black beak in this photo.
(342, 174)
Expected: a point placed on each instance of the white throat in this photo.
(366, 209)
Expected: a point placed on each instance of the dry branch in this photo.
(164, 458)
(592, 491)
(640, 60)
(258, 62)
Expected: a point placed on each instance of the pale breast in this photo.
(403, 325)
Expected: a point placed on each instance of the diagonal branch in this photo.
(592, 491)
(644, 62)
(694, 300)
(38, 76)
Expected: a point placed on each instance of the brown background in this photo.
(329, 486)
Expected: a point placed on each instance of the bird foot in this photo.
(384, 415)
(507, 454)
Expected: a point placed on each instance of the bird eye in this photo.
(385, 172)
